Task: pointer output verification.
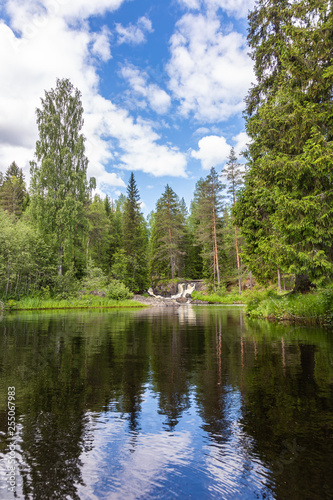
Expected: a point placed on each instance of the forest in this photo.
(266, 221)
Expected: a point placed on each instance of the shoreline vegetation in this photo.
(313, 308)
(90, 302)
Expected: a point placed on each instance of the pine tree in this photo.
(234, 178)
(59, 184)
(208, 198)
(286, 209)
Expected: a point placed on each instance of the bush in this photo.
(64, 286)
(95, 279)
(118, 291)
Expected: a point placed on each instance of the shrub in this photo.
(95, 279)
(118, 291)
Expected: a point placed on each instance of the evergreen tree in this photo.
(234, 179)
(208, 204)
(167, 235)
(286, 209)
(135, 240)
(13, 193)
(59, 184)
(194, 261)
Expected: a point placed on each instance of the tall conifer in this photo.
(286, 208)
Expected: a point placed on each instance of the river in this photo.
(192, 402)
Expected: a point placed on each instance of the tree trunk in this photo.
(215, 248)
(238, 264)
(61, 261)
(279, 279)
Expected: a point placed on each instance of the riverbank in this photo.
(310, 308)
(91, 302)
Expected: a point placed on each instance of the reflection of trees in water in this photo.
(50, 454)
(65, 365)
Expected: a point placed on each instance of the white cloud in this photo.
(134, 34)
(213, 151)
(210, 72)
(56, 49)
(238, 8)
(157, 98)
(241, 140)
(101, 44)
(27, 16)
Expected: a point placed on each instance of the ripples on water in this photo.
(158, 404)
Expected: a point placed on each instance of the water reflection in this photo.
(166, 403)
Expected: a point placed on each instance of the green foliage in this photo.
(85, 302)
(65, 286)
(218, 298)
(118, 291)
(59, 186)
(26, 261)
(135, 241)
(13, 194)
(167, 236)
(208, 228)
(99, 235)
(286, 209)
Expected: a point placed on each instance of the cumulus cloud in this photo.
(241, 142)
(134, 34)
(101, 44)
(213, 151)
(157, 98)
(210, 72)
(36, 13)
(238, 8)
(34, 55)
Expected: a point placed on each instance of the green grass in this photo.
(312, 308)
(227, 298)
(315, 308)
(36, 303)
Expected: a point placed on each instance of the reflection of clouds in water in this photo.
(155, 455)
(231, 464)
(129, 465)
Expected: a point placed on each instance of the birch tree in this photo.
(59, 185)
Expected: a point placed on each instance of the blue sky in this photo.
(162, 82)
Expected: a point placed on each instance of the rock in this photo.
(97, 293)
(181, 300)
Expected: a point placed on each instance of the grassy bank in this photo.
(214, 298)
(36, 303)
(315, 308)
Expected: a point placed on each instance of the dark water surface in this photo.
(196, 402)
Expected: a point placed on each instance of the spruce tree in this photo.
(135, 239)
(286, 208)
(13, 193)
(167, 236)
